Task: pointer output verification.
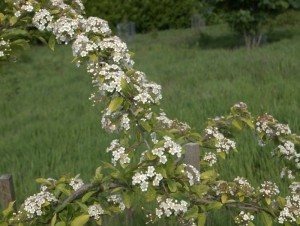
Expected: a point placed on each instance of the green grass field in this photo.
(49, 128)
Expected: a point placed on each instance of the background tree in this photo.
(249, 17)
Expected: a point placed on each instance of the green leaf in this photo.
(162, 171)
(127, 198)
(43, 181)
(266, 219)
(201, 219)
(51, 42)
(63, 189)
(222, 155)
(170, 167)
(208, 174)
(53, 220)
(13, 20)
(268, 200)
(150, 194)
(281, 201)
(214, 206)
(115, 103)
(248, 122)
(93, 57)
(172, 185)
(9, 210)
(80, 220)
(191, 213)
(200, 190)
(237, 124)
(62, 223)
(87, 196)
(146, 126)
(224, 198)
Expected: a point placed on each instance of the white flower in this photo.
(76, 183)
(95, 211)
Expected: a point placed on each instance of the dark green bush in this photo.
(147, 14)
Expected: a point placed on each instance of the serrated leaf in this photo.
(115, 104)
(145, 125)
(80, 220)
(162, 171)
(266, 219)
(53, 220)
(13, 20)
(43, 181)
(87, 196)
(200, 190)
(60, 224)
(63, 189)
(127, 199)
(222, 155)
(191, 213)
(172, 185)
(248, 122)
(150, 156)
(281, 201)
(208, 174)
(224, 198)
(214, 206)
(201, 219)
(51, 42)
(9, 210)
(93, 57)
(268, 200)
(150, 194)
(237, 124)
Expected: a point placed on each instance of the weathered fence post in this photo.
(192, 155)
(7, 191)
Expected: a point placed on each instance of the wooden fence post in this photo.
(192, 155)
(7, 191)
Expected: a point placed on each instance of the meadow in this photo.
(49, 128)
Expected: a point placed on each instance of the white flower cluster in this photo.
(79, 4)
(117, 200)
(222, 143)
(164, 121)
(262, 125)
(23, 6)
(153, 138)
(291, 210)
(286, 172)
(76, 183)
(282, 129)
(107, 121)
(224, 188)
(4, 48)
(118, 153)
(268, 189)
(211, 158)
(244, 218)
(149, 92)
(96, 26)
(33, 205)
(244, 185)
(192, 173)
(169, 147)
(83, 46)
(295, 188)
(95, 211)
(65, 29)
(288, 150)
(108, 77)
(141, 178)
(43, 20)
(118, 50)
(170, 206)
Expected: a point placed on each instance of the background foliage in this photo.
(147, 14)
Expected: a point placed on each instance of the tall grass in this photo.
(48, 126)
